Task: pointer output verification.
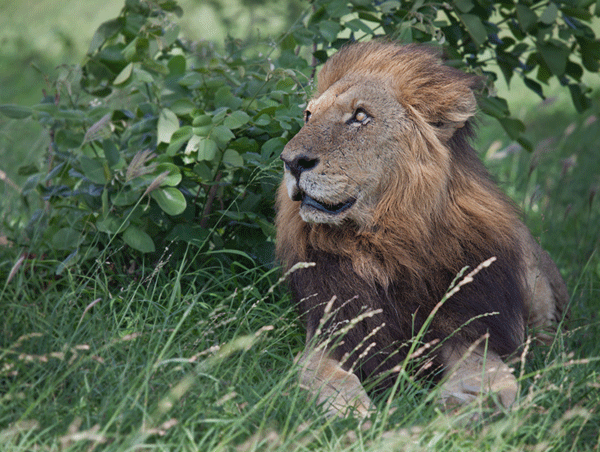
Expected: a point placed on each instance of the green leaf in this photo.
(263, 120)
(590, 52)
(183, 106)
(580, 13)
(177, 65)
(51, 109)
(202, 125)
(142, 75)
(580, 100)
(219, 114)
(464, 5)
(28, 170)
(273, 147)
(337, 8)
(192, 145)
(104, 198)
(207, 149)
(170, 35)
(526, 17)
(126, 198)
(171, 6)
(93, 170)
(168, 123)
(574, 70)
(65, 239)
(555, 55)
(288, 43)
(55, 172)
(202, 120)
(358, 25)
(188, 234)
(203, 171)
(475, 28)
(494, 106)
(224, 99)
(111, 152)
(138, 239)
(236, 120)
(192, 80)
(174, 176)
(154, 66)
(527, 145)
(390, 6)
(68, 139)
(329, 30)
(124, 75)
(111, 225)
(105, 31)
(233, 158)
(75, 115)
(368, 17)
(179, 137)
(513, 127)
(222, 135)
(534, 86)
(170, 200)
(550, 14)
(15, 111)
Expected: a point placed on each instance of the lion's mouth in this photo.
(331, 209)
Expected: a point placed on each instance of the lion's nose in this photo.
(299, 164)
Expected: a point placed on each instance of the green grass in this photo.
(125, 358)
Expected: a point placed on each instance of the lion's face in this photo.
(336, 166)
(376, 135)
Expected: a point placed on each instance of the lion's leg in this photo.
(471, 372)
(546, 297)
(338, 389)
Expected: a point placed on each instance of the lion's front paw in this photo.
(339, 391)
(473, 373)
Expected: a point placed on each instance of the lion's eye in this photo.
(306, 116)
(360, 116)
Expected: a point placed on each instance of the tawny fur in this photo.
(425, 207)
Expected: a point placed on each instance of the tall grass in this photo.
(187, 361)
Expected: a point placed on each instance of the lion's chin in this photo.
(310, 206)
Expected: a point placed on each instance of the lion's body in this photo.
(385, 195)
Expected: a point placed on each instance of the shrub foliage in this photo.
(157, 140)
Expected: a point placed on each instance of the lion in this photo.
(383, 193)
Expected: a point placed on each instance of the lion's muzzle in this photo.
(294, 169)
(299, 164)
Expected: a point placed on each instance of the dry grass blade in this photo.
(98, 130)
(156, 182)
(15, 268)
(137, 166)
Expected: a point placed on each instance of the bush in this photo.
(157, 140)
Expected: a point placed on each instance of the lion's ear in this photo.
(453, 112)
(461, 108)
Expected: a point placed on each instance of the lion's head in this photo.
(382, 170)
(376, 128)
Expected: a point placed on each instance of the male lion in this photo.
(383, 193)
